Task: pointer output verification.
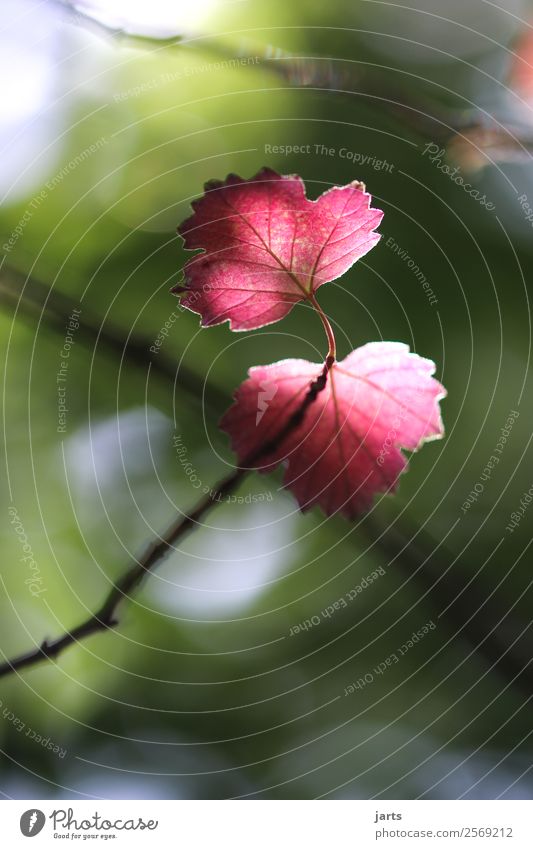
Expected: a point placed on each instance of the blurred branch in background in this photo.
(470, 610)
(295, 70)
(35, 302)
(474, 137)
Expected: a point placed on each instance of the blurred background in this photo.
(114, 116)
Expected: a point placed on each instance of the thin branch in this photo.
(106, 617)
(479, 137)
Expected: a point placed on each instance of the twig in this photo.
(472, 614)
(106, 617)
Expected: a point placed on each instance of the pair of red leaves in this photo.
(266, 247)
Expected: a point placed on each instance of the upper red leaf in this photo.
(380, 399)
(266, 246)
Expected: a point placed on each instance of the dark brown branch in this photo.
(106, 617)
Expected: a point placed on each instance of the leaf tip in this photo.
(211, 186)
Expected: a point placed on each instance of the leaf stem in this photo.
(332, 350)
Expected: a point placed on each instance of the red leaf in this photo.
(347, 448)
(266, 246)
